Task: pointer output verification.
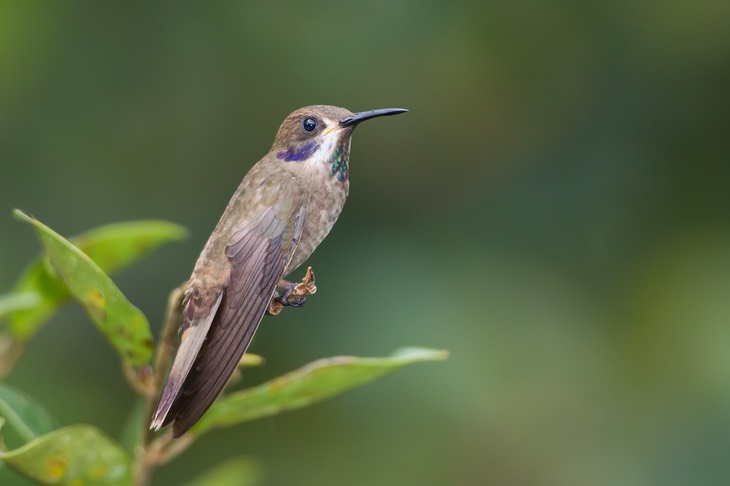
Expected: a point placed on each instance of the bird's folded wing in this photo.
(258, 252)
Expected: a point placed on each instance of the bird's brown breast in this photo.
(323, 209)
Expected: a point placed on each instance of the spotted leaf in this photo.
(124, 325)
(39, 292)
(78, 454)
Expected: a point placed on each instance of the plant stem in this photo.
(146, 458)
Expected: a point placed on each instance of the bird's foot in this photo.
(295, 294)
(291, 298)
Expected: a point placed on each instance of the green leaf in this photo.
(17, 301)
(124, 325)
(37, 279)
(312, 383)
(111, 247)
(241, 471)
(78, 454)
(23, 414)
(115, 246)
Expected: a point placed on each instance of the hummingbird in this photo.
(282, 210)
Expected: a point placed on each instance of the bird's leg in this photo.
(291, 298)
(295, 294)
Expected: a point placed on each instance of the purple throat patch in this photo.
(298, 154)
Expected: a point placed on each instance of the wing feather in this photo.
(258, 254)
(195, 328)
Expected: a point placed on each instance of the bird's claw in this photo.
(295, 294)
(292, 299)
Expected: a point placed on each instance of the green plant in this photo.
(82, 454)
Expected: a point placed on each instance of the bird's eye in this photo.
(309, 124)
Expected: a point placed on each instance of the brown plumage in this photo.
(281, 211)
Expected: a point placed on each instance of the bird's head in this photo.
(321, 135)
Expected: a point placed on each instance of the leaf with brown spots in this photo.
(39, 293)
(78, 454)
(124, 325)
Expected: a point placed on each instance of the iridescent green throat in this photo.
(340, 157)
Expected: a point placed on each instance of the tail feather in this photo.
(196, 325)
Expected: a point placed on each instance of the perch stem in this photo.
(146, 457)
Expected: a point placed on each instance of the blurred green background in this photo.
(554, 210)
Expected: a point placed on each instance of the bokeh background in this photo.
(554, 211)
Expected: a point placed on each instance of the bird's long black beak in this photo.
(366, 115)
